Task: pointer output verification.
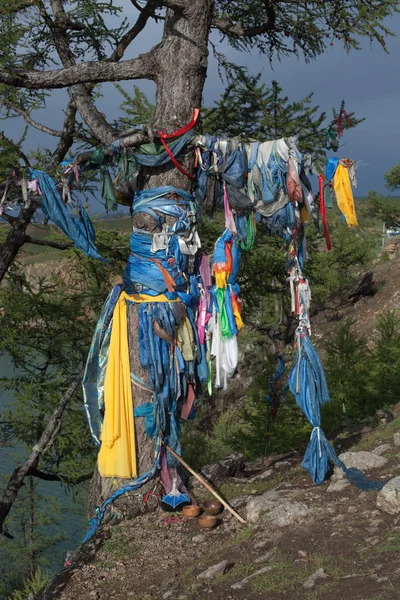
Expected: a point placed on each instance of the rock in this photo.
(241, 584)
(302, 553)
(385, 416)
(284, 486)
(214, 571)
(372, 541)
(352, 510)
(199, 539)
(256, 506)
(382, 449)
(266, 557)
(360, 460)
(260, 476)
(388, 498)
(266, 502)
(396, 439)
(338, 486)
(312, 580)
(339, 518)
(288, 513)
(229, 467)
(167, 595)
(283, 464)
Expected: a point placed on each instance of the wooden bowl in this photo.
(212, 507)
(191, 511)
(207, 521)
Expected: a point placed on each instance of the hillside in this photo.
(301, 542)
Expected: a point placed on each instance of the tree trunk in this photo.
(180, 80)
(15, 238)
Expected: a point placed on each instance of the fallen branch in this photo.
(46, 439)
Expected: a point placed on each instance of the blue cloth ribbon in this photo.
(80, 231)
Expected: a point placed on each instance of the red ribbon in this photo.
(322, 210)
(179, 132)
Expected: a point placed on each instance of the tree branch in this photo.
(146, 12)
(35, 124)
(15, 147)
(62, 478)
(141, 67)
(60, 246)
(11, 220)
(17, 478)
(238, 30)
(127, 141)
(80, 94)
(66, 137)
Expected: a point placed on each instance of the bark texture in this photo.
(180, 76)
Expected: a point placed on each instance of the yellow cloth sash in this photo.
(344, 195)
(117, 456)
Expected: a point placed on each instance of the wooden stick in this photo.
(206, 485)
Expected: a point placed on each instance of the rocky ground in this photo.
(301, 542)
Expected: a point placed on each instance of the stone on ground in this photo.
(214, 571)
(362, 460)
(313, 579)
(382, 449)
(388, 498)
(241, 584)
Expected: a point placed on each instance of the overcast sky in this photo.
(368, 81)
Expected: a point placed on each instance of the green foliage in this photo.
(266, 299)
(137, 108)
(32, 586)
(215, 444)
(362, 379)
(382, 208)
(36, 519)
(263, 433)
(328, 271)
(46, 331)
(251, 109)
(305, 28)
(393, 178)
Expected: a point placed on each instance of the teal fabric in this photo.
(147, 411)
(95, 371)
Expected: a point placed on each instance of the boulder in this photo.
(396, 439)
(362, 460)
(265, 502)
(288, 513)
(388, 498)
(382, 449)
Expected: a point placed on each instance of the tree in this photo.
(51, 44)
(256, 111)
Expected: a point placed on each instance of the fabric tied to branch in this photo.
(80, 231)
(308, 385)
(344, 195)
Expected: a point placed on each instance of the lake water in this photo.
(73, 515)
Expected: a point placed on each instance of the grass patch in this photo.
(230, 491)
(287, 576)
(119, 546)
(389, 543)
(384, 434)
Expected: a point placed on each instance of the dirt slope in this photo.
(343, 533)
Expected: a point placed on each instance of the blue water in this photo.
(73, 515)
